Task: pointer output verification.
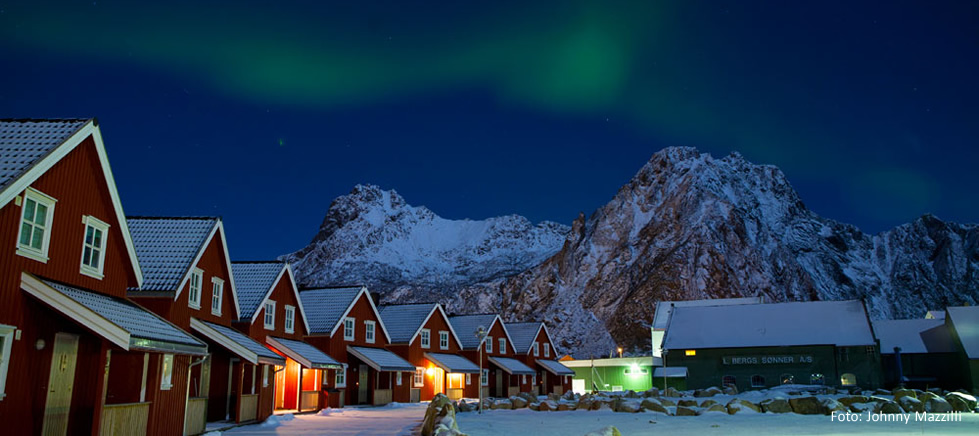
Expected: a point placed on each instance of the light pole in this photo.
(481, 334)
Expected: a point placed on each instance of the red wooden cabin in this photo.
(535, 348)
(76, 356)
(344, 323)
(421, 334)
(189, 282)
(502, 372)
(272, 314)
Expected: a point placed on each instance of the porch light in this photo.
(430, 371)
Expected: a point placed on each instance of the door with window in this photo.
(60, 382)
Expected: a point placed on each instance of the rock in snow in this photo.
(687, 226)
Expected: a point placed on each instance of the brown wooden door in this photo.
(362, 387)
(500, 392)
(60, 383)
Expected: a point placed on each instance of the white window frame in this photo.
(265, 376)
(523, 379)
(194, 294)
(536, 349)
(426, 338)
(290, 319)
(397, 378)
(166, 372)
(97, 225)
(418, 379)
(469, 379)
(349, 329)
(533, 379)
(443, 340)
(217, 295)
(38, 197)
(547, 350)
(484, 377)
(502, 345)
(369, 331)
(340, 378)
(489, 344)
(269, 316)
(7, 333)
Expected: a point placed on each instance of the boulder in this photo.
(547, 405)
(565, 405)
(671, 392)
(957, 403)
(847, 401)
(730, 390)
(463, 406)
(686, 411)
(708, 403)
(888, 407)
(862, 407)
(881, 392)
(910, 404)
(716, 408)
(899, 393)
(653, 405)
(501, 403)
(709, 392)
(652, 392)
(741, 405)
(570, 396)
(667, 402)
(937, 405)
(607, 431)
(631, 394)
(529, 397)
(518, 403)
(687, 403)
(776, 405)
(970, 401)
(439, 413)
(628, 406)
(533, 406)
(924, 396)
(832, 405)
(937, 391)
(554, 397)
(807, 406)
(830, 390)
(584, 403)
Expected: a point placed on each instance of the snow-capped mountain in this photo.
(687, 226)
(374, 237)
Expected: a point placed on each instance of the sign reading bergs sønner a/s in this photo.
(766, 360)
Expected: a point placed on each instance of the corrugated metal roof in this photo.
(310, 353)
(139, 322)
(381, 359)
(25, 142)
(555, 367)
(245, 341)
(523, 334)
(841, 323)
(511, 366)
(253, 280)
(467, 325)
(324, 307)
(966, 323)
(403, 320)
(166, 247)
(453, 363)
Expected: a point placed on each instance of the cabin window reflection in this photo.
(788, 379)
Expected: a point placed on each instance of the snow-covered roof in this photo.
(523, 334)
(965, 320)
(935, 314)
(663, 308)
(453, 363)
(511, 365)
(307, 355)
(555, 367)
(670, 372)
(467, 325)
(325, 306)
(236, 342)
(381, 359)
(254, 280)
(841, 323)
(167, 247)
(403, 320)
(913, 336)
(614, 361)
(23, 143)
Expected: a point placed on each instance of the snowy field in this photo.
(529, 422)
(395, 419)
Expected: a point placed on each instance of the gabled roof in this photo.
(405, 321)
(381, 359)
(452, 363)
(554, 367)
(965, 320)
(326, 308)
(29, 148)
(664, 308)
(523, 334)
(256, 281)
(840, 323)
(511, 365)
(913, 336)
(170, 247)
(467, 325)
(236, 342)
(307, 355)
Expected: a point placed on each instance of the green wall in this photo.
(615, 376)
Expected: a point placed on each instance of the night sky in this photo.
(263, 112)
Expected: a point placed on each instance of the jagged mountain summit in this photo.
(372, 236)
(691, 226)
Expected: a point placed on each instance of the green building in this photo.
(756, 346)
(617, 374)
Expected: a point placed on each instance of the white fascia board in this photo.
(299, 300)
(268, 294)
(289, 352)
(438, 307)
(503, 325)
(226, 342)
(363, 292)
(217, 229)
(227, 264)
(421, 326)
(193, 263)
(75, 310)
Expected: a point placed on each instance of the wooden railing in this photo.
(559, 390)
(455, 394)
(309, 400)
(124, 419)
(249, 408)
(196, 420)
(513, 390)
(382, 396)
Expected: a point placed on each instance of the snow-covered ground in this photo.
(573, 423)
(390, 420)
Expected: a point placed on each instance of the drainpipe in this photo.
(187, 391)
(900, 367)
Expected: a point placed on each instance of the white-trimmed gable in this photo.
(438, 308)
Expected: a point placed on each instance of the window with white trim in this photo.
(469, 379)
(166, 373)
(290, 319)
(536, 349)
(489, 344)
(269, 315)
(547, 350)
(523, 379)
(426, 338)
(484, 377)
(34, 234)
(502, 345)
(533, 379)
(419, 379)
(6, 343)
(348, 328)
(93, 247)
(217, 295)
(443, 340)
(265, 376)
(341, 377)
(397, 378)
(369, 331)
(194, 288)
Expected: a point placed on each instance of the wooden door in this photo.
(439, 381)
(280, 388)
(362, 387)
(60, 382)
(500, 392)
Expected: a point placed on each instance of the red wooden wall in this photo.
(283, 294)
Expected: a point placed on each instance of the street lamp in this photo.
(481, 334)
(620, 352)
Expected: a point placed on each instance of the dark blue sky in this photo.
(263, 112)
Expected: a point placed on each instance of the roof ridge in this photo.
(325, 288)
(475, 314)
(408, 304)
(48, 120)
(188, 217)
(281, 262)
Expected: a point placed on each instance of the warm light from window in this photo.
(691, 352)
(430, 371)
